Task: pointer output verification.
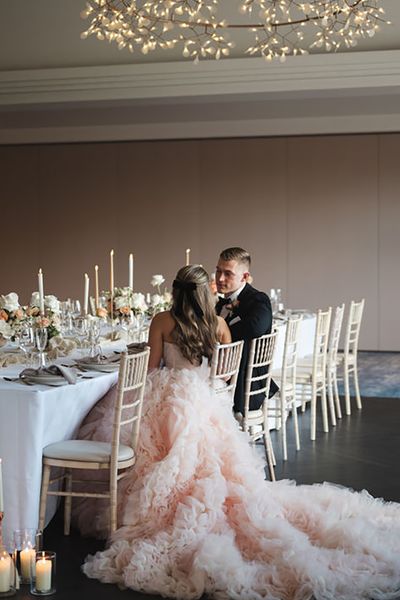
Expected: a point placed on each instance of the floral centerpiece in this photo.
(162, 299)
(51, 319)
(125, 302)
(12, 315)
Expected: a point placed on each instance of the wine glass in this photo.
(75, 308)
(94, 336)
(41, 337)
(81, 330)
(26, 341)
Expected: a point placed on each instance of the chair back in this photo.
(261, 354)
(225, 365)
(289, 359)
(353, 327)
(321, 342)
(334, 336)
(131, 384)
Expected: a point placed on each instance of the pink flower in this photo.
(3, 315)
(43, 322)
(101, 312)
(125, 310)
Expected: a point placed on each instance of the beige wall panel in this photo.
(243, 203)
(389, 238)
(157, 205)
(333, 225)
(23, 220)
(77, 199)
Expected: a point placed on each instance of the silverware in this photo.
(18, 380)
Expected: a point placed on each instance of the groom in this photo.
(247, 312)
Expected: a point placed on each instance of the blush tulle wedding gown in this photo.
(199, 518)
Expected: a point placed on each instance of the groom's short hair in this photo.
(238, 254)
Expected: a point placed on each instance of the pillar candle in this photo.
(41, 292)
(131, 271)
(43, 575)
(1, 490)
(86, 295)
(96, 282)
(26, 556)
(188, 256)
(5, 573)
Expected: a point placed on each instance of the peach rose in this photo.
(101, 312)
(125, 310)
(43, 322)
(32, 311)
(18, 314)
(3, 315)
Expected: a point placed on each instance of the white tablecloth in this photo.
(31, 418)
(306, 339)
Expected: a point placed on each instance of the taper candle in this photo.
(187, 256)
(96, 283)
(86, 295)
(41, 292)
(1, 490)
(131, 271)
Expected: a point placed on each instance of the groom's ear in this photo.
(246, 276)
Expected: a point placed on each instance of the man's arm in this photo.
(255, 319)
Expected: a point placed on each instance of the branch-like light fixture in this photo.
(277, 28)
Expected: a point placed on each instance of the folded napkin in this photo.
(136, 347)
(99, 359)
(52, 371)
(60, 346)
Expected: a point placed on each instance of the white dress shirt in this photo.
(232, 297)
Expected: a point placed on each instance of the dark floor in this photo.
(361, 452)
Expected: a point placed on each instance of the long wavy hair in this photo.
(193, 310)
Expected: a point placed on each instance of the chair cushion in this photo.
(85, 450)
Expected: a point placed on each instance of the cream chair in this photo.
(311, 372)
(113, 457)
(225, 365)
(285, 377)
(332, 363)
(255, 422)
(348, 358)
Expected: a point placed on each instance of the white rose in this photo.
(167, 297)
(5, 329)
(138, 301)
(52, 303)
(157, 280)
(121, 301)
(156, 300)
(34, 299)
(9, 302)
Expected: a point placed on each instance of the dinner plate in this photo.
(102, 367)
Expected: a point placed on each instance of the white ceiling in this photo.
(55, 87)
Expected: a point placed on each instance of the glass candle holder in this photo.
(26, 543)
(7, 574)
(43, 580)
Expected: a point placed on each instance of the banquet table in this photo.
(32, 417)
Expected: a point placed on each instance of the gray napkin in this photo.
(136, 347)
(55, 370)
(98, 360)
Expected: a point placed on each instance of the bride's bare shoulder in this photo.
(163, 322)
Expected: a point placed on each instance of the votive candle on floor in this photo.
(43, 575)
(5, 572)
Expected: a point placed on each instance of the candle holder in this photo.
(8, 572)
(26, 543)
(43, 577)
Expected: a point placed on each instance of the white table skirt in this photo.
(31, 418)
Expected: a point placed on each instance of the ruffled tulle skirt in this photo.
(198, 517)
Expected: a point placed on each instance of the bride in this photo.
(198, 516)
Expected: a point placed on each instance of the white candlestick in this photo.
(112, 284)
(86, 295)
(5, 574)
(41, 292)
(43, 575)
(131, 271)
(27, 557)
(1, 490)
(188, 256)
(96, 281)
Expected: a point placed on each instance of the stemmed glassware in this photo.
(94, 337)
(26, 340)
(41, 343)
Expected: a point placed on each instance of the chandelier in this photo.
(276, 28)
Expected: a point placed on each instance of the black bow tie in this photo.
(224, 301)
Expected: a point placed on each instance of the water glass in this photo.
(41, 337)
(26, 340)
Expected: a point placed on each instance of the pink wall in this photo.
(319, 214)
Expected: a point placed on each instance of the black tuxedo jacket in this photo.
(250, 318)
